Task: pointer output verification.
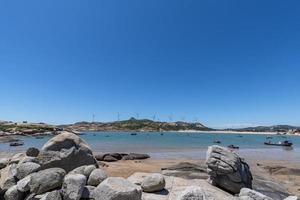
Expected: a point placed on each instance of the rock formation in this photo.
(227, 170)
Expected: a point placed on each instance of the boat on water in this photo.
(15, 144)
(233, 146)
(217, 142)
(285, 143)
(133, 134)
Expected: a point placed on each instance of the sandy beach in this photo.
(286, 175)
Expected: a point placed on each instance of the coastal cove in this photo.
(176, 145)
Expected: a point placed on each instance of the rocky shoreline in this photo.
(65, 168)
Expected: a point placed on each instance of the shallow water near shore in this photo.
(176, 145)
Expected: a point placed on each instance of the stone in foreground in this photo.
(248, 194)
(73, 186)
(192, 193)
(153, 183)
(27, 168)
(13, 194)
(46, 180)
(115, 188)
(23, 184)
(3, 162)
(7, 177)
(175, 187)
(54, 195)
(87, 192)
(291, 198)
(227, 170)
(64, 149)
(96, 177)
(84, 170)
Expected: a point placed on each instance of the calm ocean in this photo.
(177, 145)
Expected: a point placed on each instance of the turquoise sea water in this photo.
(177, 145)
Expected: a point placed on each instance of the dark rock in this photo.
(135, 156)
(100, 157)
(32, 152)
(87, 192)
(109, 158)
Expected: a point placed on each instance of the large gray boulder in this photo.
(13, 194)
(73, 186)
(26, 168)
(153, 183)
(96, 177)
(115, 188)
(248, 194)
(46, 180)
(227, 170)
(192, 193)
(66, 151)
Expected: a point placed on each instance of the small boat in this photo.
(240, 136)
(233, 146)
(217, 142)
(14, 144)
(285, 143)
(133, 134)
(161, 134)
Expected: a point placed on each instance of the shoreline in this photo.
(153, 132)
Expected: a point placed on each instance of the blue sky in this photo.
(224, 63)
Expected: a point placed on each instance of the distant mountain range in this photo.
(275, 128)
(132, 124)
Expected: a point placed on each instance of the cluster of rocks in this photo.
(66, 169)
(112, 157)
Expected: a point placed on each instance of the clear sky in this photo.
(224, 63)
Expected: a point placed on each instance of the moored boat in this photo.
(233, 146)
(14, 144)
(285, 143)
